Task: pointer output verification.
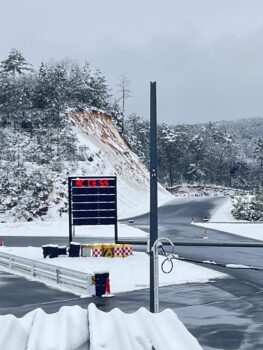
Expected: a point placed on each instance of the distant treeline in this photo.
(221, 153)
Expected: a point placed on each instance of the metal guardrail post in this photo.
(33, 272)
(88, 282)
(58, 276)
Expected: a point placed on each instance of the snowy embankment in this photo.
(222, 220)
(112, 156)
(40, 190)
(108, 155)
(74, 328)
(126, 274)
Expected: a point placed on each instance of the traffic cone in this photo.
(205, 236)
(107, 289)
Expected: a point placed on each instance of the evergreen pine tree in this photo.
(15, 63)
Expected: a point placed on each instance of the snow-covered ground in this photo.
(74, 328)
(222, 213)
(222, 220)
(250, 230)
(59, 227)
(126, 274)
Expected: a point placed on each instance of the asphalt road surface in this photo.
(175, 223)
(222, 314)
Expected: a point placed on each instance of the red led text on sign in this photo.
(80, 183)
(92, 183)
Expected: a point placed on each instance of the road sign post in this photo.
(153, 191)
(92, 201)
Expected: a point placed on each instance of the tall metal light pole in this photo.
(153, 189)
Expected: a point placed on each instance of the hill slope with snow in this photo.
(33, 177)
(112, 156)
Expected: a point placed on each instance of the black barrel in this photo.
(74, 249)
(45, 249)
(100, 280)
(53, 251)
(62, 250)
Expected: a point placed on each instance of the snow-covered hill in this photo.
(33, 177)
(110, 155)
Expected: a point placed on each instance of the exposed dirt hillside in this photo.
(113, 156)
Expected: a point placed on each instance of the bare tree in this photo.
(124, 86)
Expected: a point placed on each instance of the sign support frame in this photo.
(69, 210)
(116, 221)
(70, 202)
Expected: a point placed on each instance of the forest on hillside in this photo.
(37, 138)
(228, 153)
(35, 102)
(37, 141)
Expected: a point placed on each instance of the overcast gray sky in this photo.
(206, 55)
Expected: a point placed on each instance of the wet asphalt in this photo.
(222, 314)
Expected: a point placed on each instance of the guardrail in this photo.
(46, 271)
(228, 222)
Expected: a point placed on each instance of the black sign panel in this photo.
(93, 221)
(92, 201)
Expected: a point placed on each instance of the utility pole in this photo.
(153, 189)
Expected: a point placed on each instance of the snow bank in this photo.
(249, 230)
(126, 274)
(74, 328)
(140, 330)
(222, 220)
(65, 330)
(222, 213)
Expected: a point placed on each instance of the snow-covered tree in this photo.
(15, 63)
(249, 207)
(259, 156)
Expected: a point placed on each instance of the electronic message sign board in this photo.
(92, 201)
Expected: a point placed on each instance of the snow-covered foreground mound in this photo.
(140, 330)
(126, 274)
(74, 328)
